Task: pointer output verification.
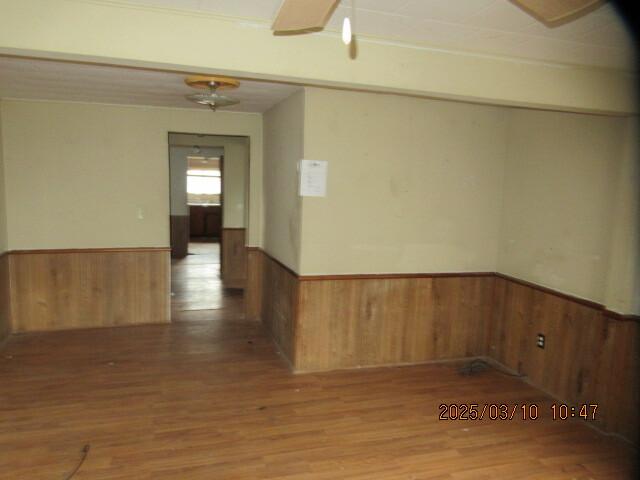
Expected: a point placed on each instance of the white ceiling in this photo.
(49, 80)
(495, 27)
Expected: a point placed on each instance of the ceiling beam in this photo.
(113, 32)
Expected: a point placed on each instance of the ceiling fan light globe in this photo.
(212, 100)
(346, 31)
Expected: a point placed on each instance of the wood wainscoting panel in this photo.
(5, 298)
(335, 322)
(179, 236)
(233, 258)
(55, 290)
(279, 305)
(346, 323)
(253, 289)
(588, 357)
(618, 389)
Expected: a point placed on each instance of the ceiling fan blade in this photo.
(303, 15)
(557, 12)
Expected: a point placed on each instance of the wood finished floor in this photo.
(213, 400)
(197, 289)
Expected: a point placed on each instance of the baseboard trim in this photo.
(392, 365)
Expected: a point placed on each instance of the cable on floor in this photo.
(477, 366)
(83, 457)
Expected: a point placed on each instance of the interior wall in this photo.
(5, 316)
(178, 180)
(58, 290)
(284, 146)
(236, 168)
(559, 209)
(590, 355)
(414, 185)
(360, 322)
(623, 281)
(82, 175)
(430, 186)
(427, 186)
(3, 195)
(279, 305)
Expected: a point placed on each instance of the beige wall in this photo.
(414, 185)
(284, 144)
(432, 186)
(178, 180)
(3, 198)
(79, 175)
(236, 167)
(622, 292)
(5, 317)
(561, 181)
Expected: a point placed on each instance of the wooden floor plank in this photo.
(197, 290)
(203, 400)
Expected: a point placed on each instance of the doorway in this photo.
(209, 214)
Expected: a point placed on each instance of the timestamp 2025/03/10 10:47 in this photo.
(525, 411)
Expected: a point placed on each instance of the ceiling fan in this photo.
(304, 16)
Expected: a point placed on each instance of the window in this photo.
(203, 182)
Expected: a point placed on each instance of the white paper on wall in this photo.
(313, 178)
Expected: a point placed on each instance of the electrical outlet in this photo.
(540, 341)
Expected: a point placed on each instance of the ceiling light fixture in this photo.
(213, 83)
